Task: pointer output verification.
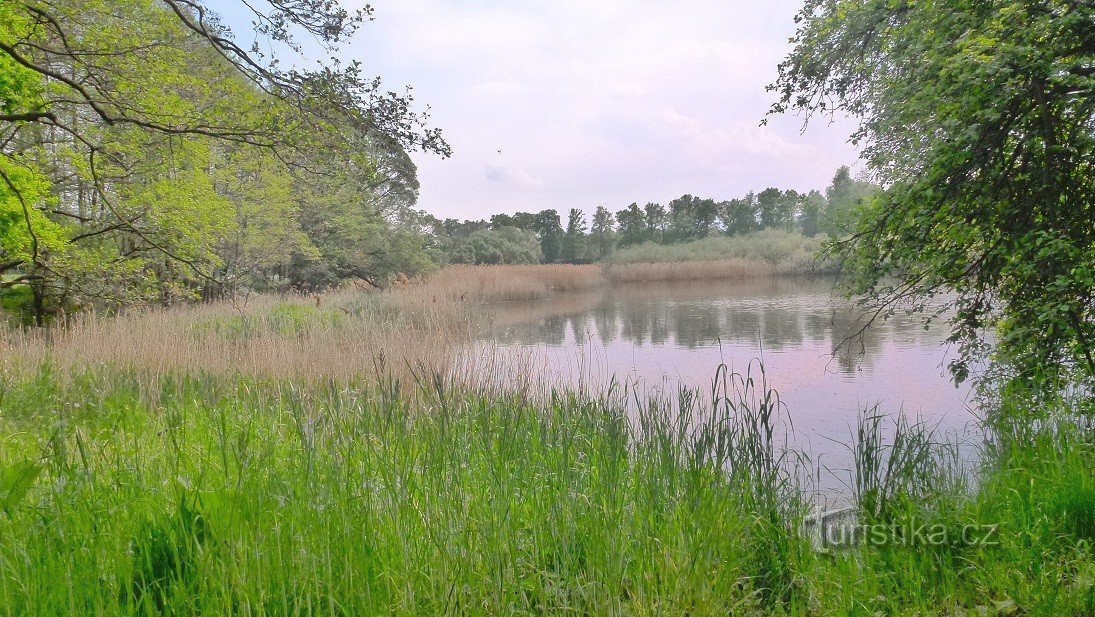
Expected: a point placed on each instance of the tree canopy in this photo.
(978, 118)
(148, 153)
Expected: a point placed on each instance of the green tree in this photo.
(149, 156)
(657, 220)
(774, 207)
(602, 234)
(550, 231)
(739, 216)
(692, 218)
(977, 119)
(813, 207)
(574, 240)
(504, 245)
(632, 226)
(844, 200)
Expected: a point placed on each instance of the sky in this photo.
(575, 104)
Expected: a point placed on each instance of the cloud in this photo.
(597, 103)
(504, 175)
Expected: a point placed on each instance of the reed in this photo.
(510, 283)
(688, 271)
(336, 336)
(201, 493)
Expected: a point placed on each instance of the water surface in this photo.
(671, 335)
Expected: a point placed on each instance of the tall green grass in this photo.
(210, 496)
(201, 496)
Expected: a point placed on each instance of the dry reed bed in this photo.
(270, 337)
(511, 283)
(417, 327)
(710, 270)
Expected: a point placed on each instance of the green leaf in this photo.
(15, 481)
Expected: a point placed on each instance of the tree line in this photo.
(544, 237)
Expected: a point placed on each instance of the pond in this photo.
(665, 336)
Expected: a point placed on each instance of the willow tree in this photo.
(977, 118)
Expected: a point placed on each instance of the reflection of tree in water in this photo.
(636, 321)
(778, 321)
(554, 329)
(605, 318)
(743, 325)
(579, 327)
(782, 327)
(695, 324)
(660, 328)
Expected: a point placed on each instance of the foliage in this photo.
(506, 245)
(689, 219)
(234, 495)
(977, 119)
(148, 157)
(789, 252)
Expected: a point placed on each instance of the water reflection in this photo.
(678, 334)
(769, 316)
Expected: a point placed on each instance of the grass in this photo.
(210, 496)
(193, 493)
(339, 336)
(297, 456)
(688, 271)
(763, 253)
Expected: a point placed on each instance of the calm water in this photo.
(669, 335)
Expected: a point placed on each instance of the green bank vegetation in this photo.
(188, 494)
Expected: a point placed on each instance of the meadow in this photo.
(325, 456)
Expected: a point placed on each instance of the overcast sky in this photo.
(579, 103)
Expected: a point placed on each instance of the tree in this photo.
(504, 245)
(550, 231)
(602, 234)
(977, 120)
(739, 216)
(775, 208)
(813, 207)
(844, 198)
(129, 127)
(574, 240)
(692, 218)
(657, 220)
(632, 226)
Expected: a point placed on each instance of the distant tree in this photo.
(498, 221)
(632, 228)
(657, 220)
(813, 205)
(602, 234)
(772, 207)
(790, 209)
(575, 238)
(739, 216)
(844, 198)
(505, 245)
(550, 231)
(691, 218)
